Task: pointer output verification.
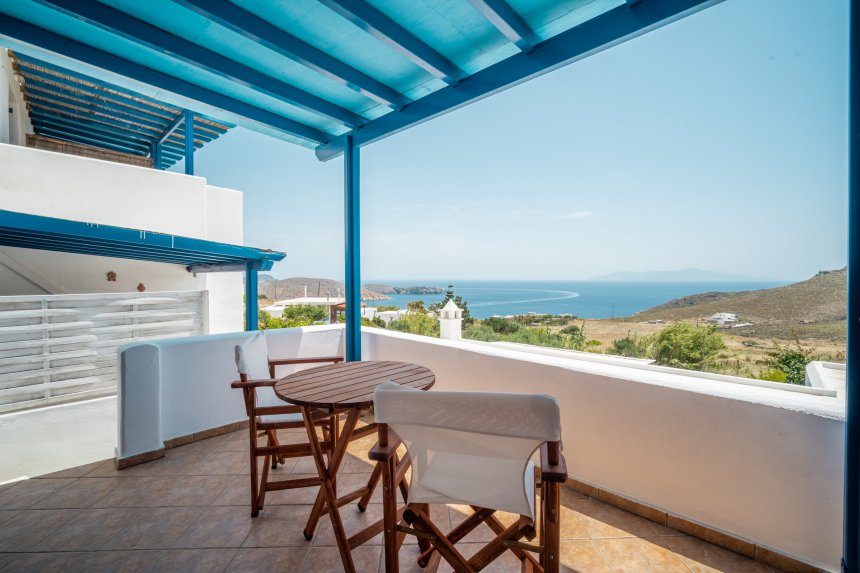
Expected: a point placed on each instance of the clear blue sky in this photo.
(718, 142)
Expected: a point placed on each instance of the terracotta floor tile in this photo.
(269, 560)
(353, 522)
(194, 561)
(279, 526)
(27, 493)
(702, 557)
(582, 556)
(46, 563)
(31, 526)
(636, 555)
(121, 561)
(84, 492)
(217, 527)
(154, 528)
(189, 511)
(327, 559)
(79, 471)
(89, 530)
(604, 521)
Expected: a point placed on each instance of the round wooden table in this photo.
(336, 389)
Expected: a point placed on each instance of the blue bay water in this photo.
(585, 299)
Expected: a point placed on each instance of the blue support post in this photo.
(156, 155)
(250, 296)
(352, 236)
(189, 142)
(851, 513)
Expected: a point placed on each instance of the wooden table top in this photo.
(349, 384)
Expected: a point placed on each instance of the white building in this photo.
(722, 318)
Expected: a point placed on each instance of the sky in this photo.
(717, 142)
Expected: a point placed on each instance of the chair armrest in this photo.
(552, 472)
(384, 453)
(309, 360)
(253, 383)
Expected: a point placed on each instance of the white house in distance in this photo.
(723, 318)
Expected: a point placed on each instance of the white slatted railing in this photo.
(59, 348)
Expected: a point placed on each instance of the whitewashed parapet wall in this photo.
(91, 190)
(59, 348)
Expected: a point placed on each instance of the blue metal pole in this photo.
(851, 519)
(250, 297)
(352, 192)
(189, 142)
(156, 155)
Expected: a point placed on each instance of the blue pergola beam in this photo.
(352, 249)
(147, 35)
(94, 106)
(138, 146)
(26, 32)
(91, 139)
(19, 229)
(508, 22)
(37, 117)
(47, 82)
(614, 27)
(251, 312)
(189, 142)
(254, 28)
(396, 36)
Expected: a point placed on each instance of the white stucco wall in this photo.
(759, 463)
(83, 189)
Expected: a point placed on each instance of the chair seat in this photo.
(294, 418)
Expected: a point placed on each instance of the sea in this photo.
(584, 299)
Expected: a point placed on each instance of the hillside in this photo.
(294, 287)
(814, 308)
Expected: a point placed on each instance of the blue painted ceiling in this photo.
(315, 71)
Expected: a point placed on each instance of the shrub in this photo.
(788, 363)
(630, 346)
(416, 323)
(682, 345)
(500, 325)
(384, 307)
(304, 315)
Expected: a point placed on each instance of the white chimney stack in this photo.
(451, 322)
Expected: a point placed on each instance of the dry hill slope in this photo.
(814, 308)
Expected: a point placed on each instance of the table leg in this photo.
(327, 475)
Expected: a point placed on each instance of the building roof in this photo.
(70, 106)
(51, 234)
(316, 72)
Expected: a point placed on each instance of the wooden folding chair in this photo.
(474, 449)
(267, 414)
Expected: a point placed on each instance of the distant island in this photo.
(681, 276)
(294, 287)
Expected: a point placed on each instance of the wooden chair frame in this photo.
(434, 545)
(273, 452)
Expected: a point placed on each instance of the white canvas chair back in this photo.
(470, 447)
(252, 360)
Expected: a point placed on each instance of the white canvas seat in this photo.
(473, 449)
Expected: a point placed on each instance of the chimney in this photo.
(451, 322)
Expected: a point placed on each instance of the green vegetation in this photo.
(384, 308)
(416, 323)
(300, 315)
(787, 364)
(682, 345)
(631, 346)
(497, 329)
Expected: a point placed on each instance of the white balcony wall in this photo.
(759, 463)
(90, 190)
